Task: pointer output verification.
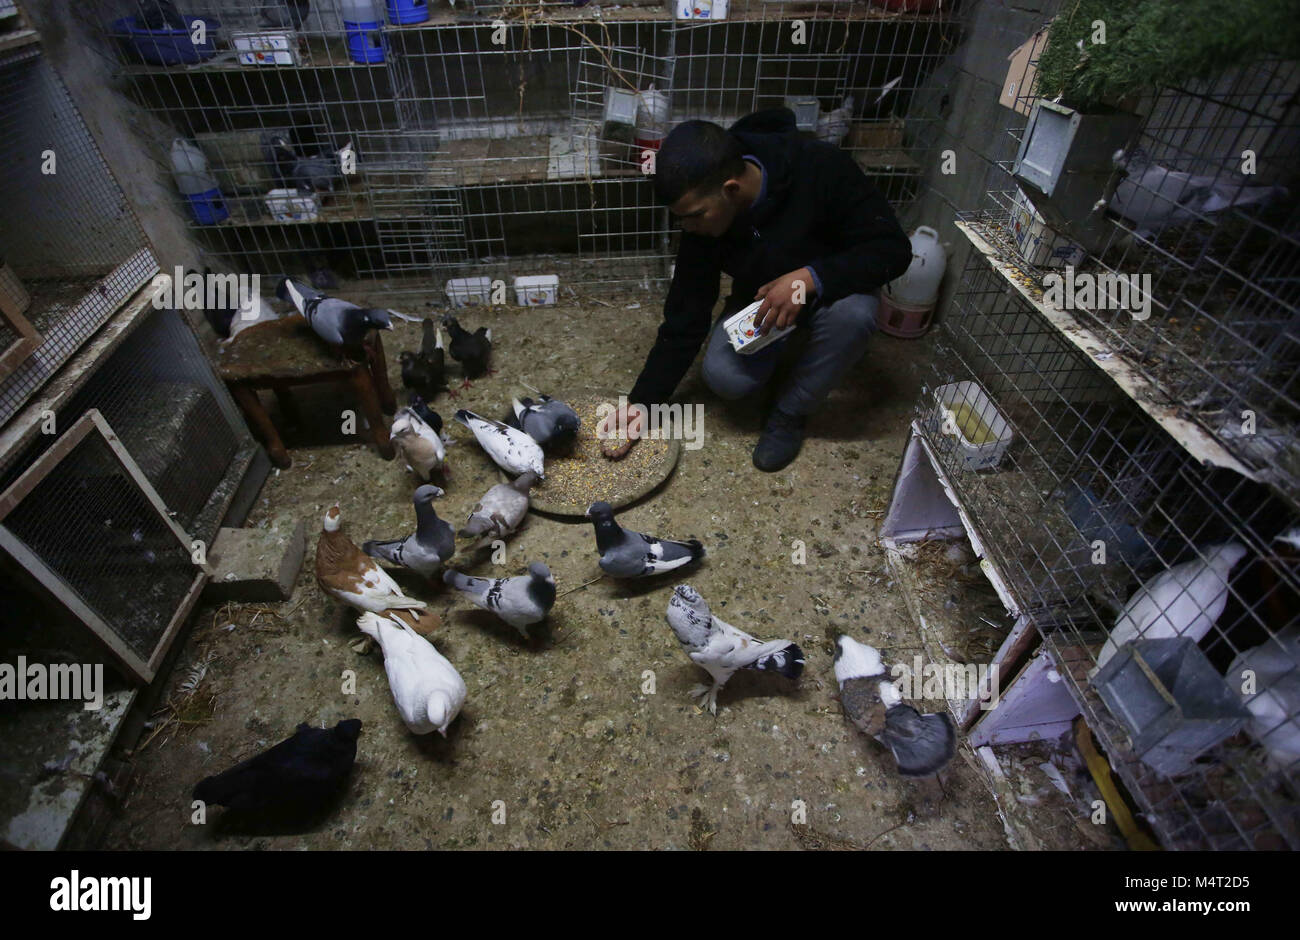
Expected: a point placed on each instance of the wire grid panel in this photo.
(80, 251)
(81, 521)
(1083, 470)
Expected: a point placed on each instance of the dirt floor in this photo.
(560, 730)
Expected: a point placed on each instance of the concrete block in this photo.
(255, 565)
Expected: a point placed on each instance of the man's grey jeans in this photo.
(839, 335)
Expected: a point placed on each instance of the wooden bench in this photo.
(282, 353)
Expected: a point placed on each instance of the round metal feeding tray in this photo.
(585, 476)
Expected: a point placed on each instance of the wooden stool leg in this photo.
(364, 386)
(288, 407)
(379, 373)
(246, 397)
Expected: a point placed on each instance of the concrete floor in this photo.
(560, 730)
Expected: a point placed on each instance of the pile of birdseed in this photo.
(586, 475)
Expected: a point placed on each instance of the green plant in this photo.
(1153, 43)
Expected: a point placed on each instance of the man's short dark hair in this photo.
(696, 155)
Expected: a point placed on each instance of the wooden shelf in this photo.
(17, 39)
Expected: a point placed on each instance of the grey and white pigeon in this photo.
(1273, 672)
(426, 549)
(421, 446)
(428, 690)
(628, 554)
(550, 422)
(520, 601)
(722, 649)
(1184, 600)
(511, 449)
(921, 744)
(339, 322)
(500, 511)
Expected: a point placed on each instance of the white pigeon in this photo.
(1184, 600)
(1274, 703)
(420, 445)
(721, 649)
(511, 449)
(428, 690)
(833, 125)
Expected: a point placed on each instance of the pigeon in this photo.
(1184, 600)
(425, 413)
(420, 445)
(425, 550)
(834, 125)
(471, 350)
(236, 316)
(306, 174)
(425, 372)
(286, 13)
(338, 322)
(511, 449)
(500, 510)
(628, 554)
(723, 649)
(428, 690)
(550, 422)
(921, 744)
(300, 774)
(348, 574)
(520, 601)
(1274, 702)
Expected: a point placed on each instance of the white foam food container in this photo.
(466, 291)
(537, 290)
(266, 47)
(289, 205)
(743, 332)
(1037, 242)
(948, 398)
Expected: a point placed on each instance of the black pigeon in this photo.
(300, 774)
(471, 350)
(425, 372)
(425, 413)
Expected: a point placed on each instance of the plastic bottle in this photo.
(196, 183)
(907, 303)
(361, 24)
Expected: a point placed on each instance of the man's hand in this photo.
(783, 299)
(633, 418)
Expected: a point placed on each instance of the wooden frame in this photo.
(91, 422)
(28, 341)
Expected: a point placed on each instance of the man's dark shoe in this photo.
(780, 441)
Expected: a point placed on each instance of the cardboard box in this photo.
(1018, 86)
(1037, 242)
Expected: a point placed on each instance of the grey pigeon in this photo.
(921, 744)
(471, 350)
(297, 776)
(520, 601)
(723, 649)
(338, 322)
(500, 510)
(511, 449)
(550, 422)
(628, 554)
(428, 547)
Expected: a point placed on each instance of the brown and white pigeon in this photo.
(419, 444)
(921, 744)
(348, 574)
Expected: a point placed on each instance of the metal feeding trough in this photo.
(1173, 703)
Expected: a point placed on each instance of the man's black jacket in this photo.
(819, 210)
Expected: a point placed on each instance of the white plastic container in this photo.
(537, 291)
(266, 47)
(919, 285)
(701, 9)
(949, 400)
(743, 332)
(467, 291)
(1037, 242)
(653, 110)
(289, 205)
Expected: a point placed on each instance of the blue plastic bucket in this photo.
(365, 42)
(408, 11)
(166, 46)
(208, 207)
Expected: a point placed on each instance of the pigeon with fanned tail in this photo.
(721, 649)
(550, 422)
(628, 554)
(471, 350)
(510, 448)
(921, 744)
(340, 323)
(1184, 600)
(348, 574)
(300, 775)
(427, 689)
(425, 550)
(420, 446)
(500, 511)
(521, 601)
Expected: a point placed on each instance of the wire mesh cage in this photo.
(478, 132)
